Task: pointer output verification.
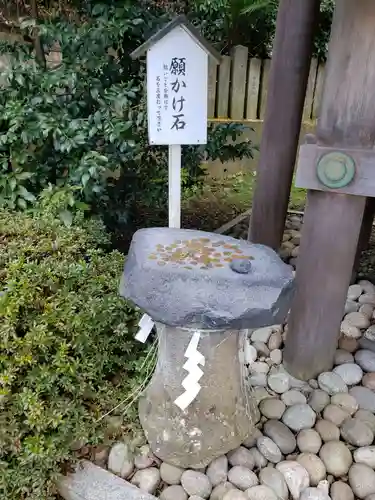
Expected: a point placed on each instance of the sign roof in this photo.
(188, 27)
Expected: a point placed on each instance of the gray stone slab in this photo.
(91, 482)
(192, 278)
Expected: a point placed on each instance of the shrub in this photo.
(83, 123)
(67, 352)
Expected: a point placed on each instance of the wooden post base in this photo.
(330, 233)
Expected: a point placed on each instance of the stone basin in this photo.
(192, 278)
(212, 287)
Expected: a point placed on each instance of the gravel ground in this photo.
(314, 440)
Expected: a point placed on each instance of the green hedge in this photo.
(67, 350)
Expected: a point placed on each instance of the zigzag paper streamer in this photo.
(146, 325)
(190, 383)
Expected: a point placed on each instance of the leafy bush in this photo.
(83, 123)
(67, 352)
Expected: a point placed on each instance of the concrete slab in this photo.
(91, 482)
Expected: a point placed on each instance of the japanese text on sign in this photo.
(177, 90)
(178, 68)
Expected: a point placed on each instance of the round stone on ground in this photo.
(293, 397)
(331, 383)
(348, 344)
(341, 491)
(354, 291)
(365, 359)
(170, 474)
(147, 479)
(367, 286)
(367, 417)
(314, 466)
(235, 495)
(276, 356)
(174, 492)
(357, 319)
(370, 332)
(327, 430)
(260, 493)
(365, 455)
(260, 393)
(279, 382)
(272, 408)
(314, 494)
(259, 367)
(367, 310)
(144, 459)
(318, 400)
(362, 480)
(251, 440)
(269, 449)
(275, 481)
(364, 397)
(367, 298)
(356, 433)
(196, 483)
(350, 373)
(350, 330)
(295, 476)
(342, 357)
(275, 341)
(258, 380)
(219, 492)
(261, 348)
(309, 441)
(217, 471)
(242, 478)
(335, 414)
(351, 306)
(262, 334)
(120, 460)
(336, 458)
(298, 417)
(281, 435)
(250, 353)
(368, 381)
(241, 456)
(259, 460)
(346, 402)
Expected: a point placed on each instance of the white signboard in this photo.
(177, 72)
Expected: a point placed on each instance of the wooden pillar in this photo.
(289, 73)
(333, 221)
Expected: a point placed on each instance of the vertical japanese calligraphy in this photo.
(166, 89)
(177, 69)
(158, 103)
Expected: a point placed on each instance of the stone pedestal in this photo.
(219, 419)
(190, 281)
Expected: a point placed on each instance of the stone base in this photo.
(220, 418)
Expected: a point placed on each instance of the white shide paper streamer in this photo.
(190, 383)
(146, 325)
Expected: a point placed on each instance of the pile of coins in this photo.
(202, 253)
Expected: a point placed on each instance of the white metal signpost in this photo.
(177, 92)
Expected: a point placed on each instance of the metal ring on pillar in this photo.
(335, 170)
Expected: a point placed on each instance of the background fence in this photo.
(237, 88)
